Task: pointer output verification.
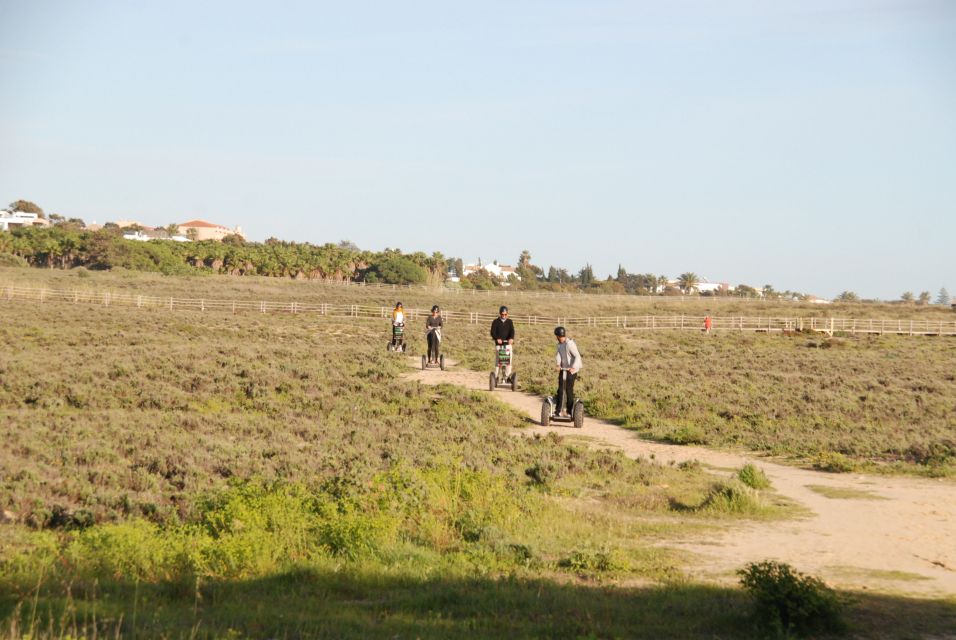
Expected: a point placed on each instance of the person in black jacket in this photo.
(502, 328)
(503, 332)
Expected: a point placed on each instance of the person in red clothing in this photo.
(707, 324)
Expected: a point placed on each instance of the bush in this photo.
(603, 561)
(753, 477)
(687, 434)
(10, 260)
(833, 462)
(732, 497)
(789, 602)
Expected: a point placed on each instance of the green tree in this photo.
(745, 291)
(192, 234)
(25, 206)
(396, 269)
(924, 297)
(848, 296)
(586, 276)
(907, 297)
(943, 296)
(688, 281)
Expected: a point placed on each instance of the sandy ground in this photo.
(900, 539)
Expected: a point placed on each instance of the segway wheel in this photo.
(545, 413)
(514, 381)
(404, 346)
(578, 414)
(492, 381)
(423, 363)
(388, 347)
(441, 362)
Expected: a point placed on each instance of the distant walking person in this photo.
(568, 359)
(707, 324)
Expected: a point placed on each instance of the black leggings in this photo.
(433, 344)
(569, 387)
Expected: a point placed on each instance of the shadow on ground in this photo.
(332, 604)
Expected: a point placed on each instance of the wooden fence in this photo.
(830, 326)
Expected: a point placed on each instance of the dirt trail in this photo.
(902, 538)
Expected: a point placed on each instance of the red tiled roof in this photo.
(200, 223)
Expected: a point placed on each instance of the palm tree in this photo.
(688, 281)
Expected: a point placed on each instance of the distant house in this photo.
(452, 276)
(712, 287)
(136, 235)
(208, 231)
(16, 219)
(500, 271)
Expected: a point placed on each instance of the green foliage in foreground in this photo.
(789, 602)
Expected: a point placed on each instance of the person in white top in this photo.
(567, 358)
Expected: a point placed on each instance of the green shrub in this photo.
(687, 434)
(602, 561)
(789, 602)
(10, 260)
(833, 462)
(753, 477)
(732, 497)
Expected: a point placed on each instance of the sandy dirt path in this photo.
(901, 538)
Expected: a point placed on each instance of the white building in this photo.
(500, 271)
(16, 219)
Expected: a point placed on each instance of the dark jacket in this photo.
(503, 330)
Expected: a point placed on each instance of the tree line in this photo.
(67, 243)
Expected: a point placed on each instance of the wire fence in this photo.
(830, 326)
(506, 292)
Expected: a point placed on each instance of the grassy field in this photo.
(521, 303)
(878, 403)
(207, 475)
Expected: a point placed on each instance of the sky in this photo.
(807, 145)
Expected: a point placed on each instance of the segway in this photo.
(439, 361)
(398, 338)
(551, 412)
(497, 378)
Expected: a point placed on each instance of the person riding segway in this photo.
(398, 329)
(503, 334)
(433, 327)
(568, 362)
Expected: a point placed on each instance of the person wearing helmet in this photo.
(433, 327)
(503, 332)
(398, 320)
(567, 357)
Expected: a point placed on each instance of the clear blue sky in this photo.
(809, 145)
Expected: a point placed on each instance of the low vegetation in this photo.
(878, 403)
(187, 474)
(787, 602)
